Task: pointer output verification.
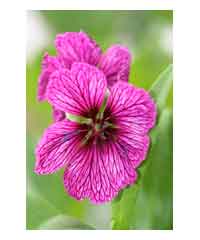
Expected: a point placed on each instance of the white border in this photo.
(100, 5)
(186, 119)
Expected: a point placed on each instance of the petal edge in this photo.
(115, 63)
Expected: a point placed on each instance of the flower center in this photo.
(99, 131)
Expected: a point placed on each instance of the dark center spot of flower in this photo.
(99, 131)
(92, 113)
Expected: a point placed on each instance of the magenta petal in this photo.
(49, 65)
(58, 115)
(133, 145)
(131, 106)
(133, 111)
(98, 173)
(115, 63)
(55, 145)
(78, 91)
(77, 47)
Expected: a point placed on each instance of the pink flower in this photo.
(79, 47)
(100, 155)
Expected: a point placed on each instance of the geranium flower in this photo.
(100, 153)
(79, 47)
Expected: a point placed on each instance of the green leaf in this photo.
(161, 88)
(37, 209)
(148, 203)
(154, 202)
(41, 214)
(61, 222)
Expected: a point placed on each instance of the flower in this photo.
(79, 47)
(100, 154)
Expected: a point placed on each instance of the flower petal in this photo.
(79, 91)
(55, 145)
(77, 47)
(131, 106)
(49, 65)
(115, 63)
(58, 115)
(98, 172)
(134, 113)
(133, 145)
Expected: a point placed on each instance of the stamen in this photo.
(103, 106)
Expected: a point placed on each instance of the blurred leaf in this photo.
(161, 88)
(148, 203)
(156, 171)
(153, 208)
(62, 222)
(41, 214)
(147, 65)
(38, 210)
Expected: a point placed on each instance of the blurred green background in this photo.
(148, 34)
